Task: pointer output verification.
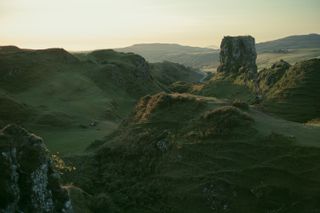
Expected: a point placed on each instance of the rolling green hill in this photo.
(70, 101)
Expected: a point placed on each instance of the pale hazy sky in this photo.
(92, 24)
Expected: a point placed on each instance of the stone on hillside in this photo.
(28, 180)
(238, 55)
(281, 65)
(267, 78)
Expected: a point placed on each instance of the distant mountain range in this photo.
(208, 58)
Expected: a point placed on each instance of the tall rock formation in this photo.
(238, 55)
(28, 180)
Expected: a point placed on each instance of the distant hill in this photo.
(295, 95)
(292, 49)
(196, 57)
(154, 49)
(290, 42)
(168, 72)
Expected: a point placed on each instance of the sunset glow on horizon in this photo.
(97, 24)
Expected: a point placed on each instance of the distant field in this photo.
(293, 56)
(266, 59)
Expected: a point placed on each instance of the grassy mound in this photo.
(228, 88)
(167, 107)
(225, 122)
(180, 87)
(295, 96)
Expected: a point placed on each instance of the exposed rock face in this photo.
(238, 55)
(267, 78)
(28, 181)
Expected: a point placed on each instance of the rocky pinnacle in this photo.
(238, 56)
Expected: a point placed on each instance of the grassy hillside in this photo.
(210, 156)
(168, 72)
(288, 91)
(295, 96)
(290, 42)
(51, 93)
(72, 100)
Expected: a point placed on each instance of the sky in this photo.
(97, 24)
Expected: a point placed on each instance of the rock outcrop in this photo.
(238, 55)
(28, 180)
(126, 70)
(295, 96)
(267, 78)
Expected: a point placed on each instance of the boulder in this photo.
(28, 180)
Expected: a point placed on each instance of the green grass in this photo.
(305, 135)
(272, 168)
(72, 140)
(170, 155)
(68, 101)
(295, 96)
(227, 89)
(265, 60)
(53, 93)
